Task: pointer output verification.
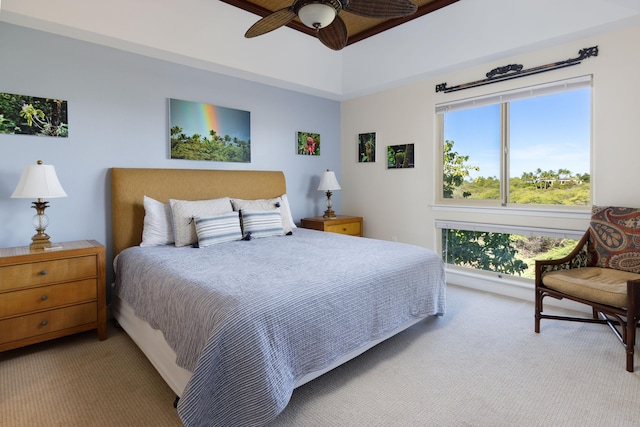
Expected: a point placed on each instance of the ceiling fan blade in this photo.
(380, 8)
(334, 36)
(271, 22)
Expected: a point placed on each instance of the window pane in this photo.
(549, 149)
(472, 153)
(511, 254)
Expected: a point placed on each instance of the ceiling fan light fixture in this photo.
(317, 15)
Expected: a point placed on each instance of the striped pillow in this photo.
(266, 204)
(261, 223)
(184, 211)
(218, 229)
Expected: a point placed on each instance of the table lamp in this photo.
(38, 182)
(328, 183)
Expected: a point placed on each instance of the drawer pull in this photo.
(44, 323)
(43, 297)
(43, 272)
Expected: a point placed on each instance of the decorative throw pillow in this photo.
(261, 223)
(157, 229)
(267, 204)
(615, 232)
(184, 211)
(216, 229)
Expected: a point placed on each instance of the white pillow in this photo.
(285, 210)
(157, 229)
(261, 223)
(267, 204)
(183, 213)
(216, 229)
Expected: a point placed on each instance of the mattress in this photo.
(152, 343)
(248, 321)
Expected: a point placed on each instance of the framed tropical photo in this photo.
(367, 147)
(30, 115)
(208, 132)
(308, 143)
(400, 156)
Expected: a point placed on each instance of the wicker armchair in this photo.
(603, 271)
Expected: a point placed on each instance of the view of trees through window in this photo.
(504, 253)
(550, 187)
(533, 151)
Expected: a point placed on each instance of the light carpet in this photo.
(479, 365)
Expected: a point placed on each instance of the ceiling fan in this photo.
(323, 16)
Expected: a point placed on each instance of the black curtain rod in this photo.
(514, 71)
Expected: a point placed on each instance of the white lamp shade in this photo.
(317, 15)
(38, 182)
(328, 182)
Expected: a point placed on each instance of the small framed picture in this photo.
(367, 147)
(30, 115)
(400, 156)
(308, 143)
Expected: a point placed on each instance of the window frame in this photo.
(504, 98)
(442, 225)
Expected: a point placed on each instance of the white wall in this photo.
(118, 117)
(468, 33)
(206, 34)
(118, 100)
(209, 34)
(400, 202)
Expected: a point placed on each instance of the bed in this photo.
(234, 326)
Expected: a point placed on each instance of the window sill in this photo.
(581, 213)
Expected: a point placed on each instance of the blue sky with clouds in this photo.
(550, 133)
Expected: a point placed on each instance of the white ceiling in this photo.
(209, 34)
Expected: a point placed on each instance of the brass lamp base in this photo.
(329, 213)
(39, 242)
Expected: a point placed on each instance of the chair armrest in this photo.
(577, 258)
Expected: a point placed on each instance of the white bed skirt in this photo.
(163, 358)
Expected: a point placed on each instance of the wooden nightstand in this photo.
(342, 224)
(50, 294)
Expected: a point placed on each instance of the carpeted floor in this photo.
(479, 365)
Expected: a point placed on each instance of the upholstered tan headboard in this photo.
(130, 185)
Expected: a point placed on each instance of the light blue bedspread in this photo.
(249, 318)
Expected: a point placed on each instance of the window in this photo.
(526, 147)
(500, 250)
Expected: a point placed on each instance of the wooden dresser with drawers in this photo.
(48, 294)
(342, 224)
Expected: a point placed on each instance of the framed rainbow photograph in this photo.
(209, 132)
